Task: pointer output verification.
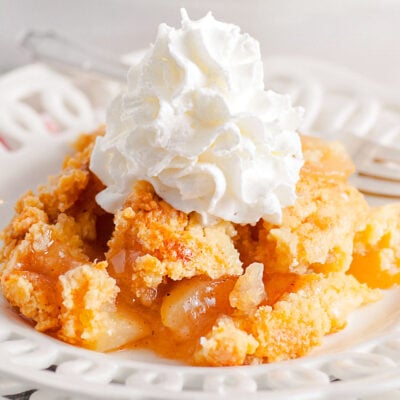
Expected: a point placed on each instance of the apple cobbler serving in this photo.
(199, 224)
(155, 277)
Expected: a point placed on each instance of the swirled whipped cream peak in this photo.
(196, 122)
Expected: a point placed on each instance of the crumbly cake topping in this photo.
(155, 277)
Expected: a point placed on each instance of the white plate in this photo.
(362, 360)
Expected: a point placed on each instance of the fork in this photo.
(54, 48)
(377, 166)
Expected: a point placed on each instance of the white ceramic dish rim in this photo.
(165, 381)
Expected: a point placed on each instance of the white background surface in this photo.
(363, 35)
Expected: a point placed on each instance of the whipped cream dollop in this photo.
(196, 122)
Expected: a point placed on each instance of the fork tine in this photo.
(384, 170)
(386, 153)
(377, 166)
(359, 145)
(378, 161)
(375, 187)
(373, 160)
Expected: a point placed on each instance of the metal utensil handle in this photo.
(52, 47)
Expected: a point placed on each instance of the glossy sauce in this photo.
(178, 313)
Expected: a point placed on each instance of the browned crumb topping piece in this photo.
(64, 190)
(225, 345)
(316, 234)
(315, 306)
(28, 211)
(308, 307)
(152, 242)
(51, 235)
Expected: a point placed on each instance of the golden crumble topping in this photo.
(317, 232)
(153, 242)
(154, 277)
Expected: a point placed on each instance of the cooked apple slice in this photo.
(193, 305)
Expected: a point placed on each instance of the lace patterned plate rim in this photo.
(363, 359)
